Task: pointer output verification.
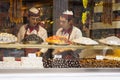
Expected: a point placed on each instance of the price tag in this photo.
(57, 56)
(99, 57)
(32, 55)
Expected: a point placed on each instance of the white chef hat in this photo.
(68, 15)
(33, 12)
(67, 12)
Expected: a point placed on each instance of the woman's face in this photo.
(33, 21)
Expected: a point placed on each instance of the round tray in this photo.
(31, 42)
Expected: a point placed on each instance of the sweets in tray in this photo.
(112, 40)
(7, 38)
(85, 41)
(60, 40)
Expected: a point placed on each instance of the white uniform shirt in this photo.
(75, 33)
(41, 33)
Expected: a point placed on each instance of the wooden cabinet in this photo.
(105, 30)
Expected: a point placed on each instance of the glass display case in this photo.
(93, 55)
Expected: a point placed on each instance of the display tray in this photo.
(81, 63)
(7, 42)
(109, 44)
(58, 43)
(61, 44)
(85, 41)
(112, 40)
(31, 42)
(85, 44)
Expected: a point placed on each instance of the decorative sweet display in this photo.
(1, 64)
(8, 59)
(38, 63)
(34, 53)
(94, 63)
(32, 39)
(9, 62)
(61, 63)
(7, 38)
(58, 40)
(25, 62)
(31, 62)
(85, 41)
(65, 63)
(112, 40)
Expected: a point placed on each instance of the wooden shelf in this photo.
(99, 9)
(100, 25)
(115, 22)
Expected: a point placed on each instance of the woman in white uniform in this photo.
(67, 28)
(32, 28)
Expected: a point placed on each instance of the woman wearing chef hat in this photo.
(32, 27)
(67, 28)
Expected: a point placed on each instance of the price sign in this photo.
(32, 55)
(57, 56)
